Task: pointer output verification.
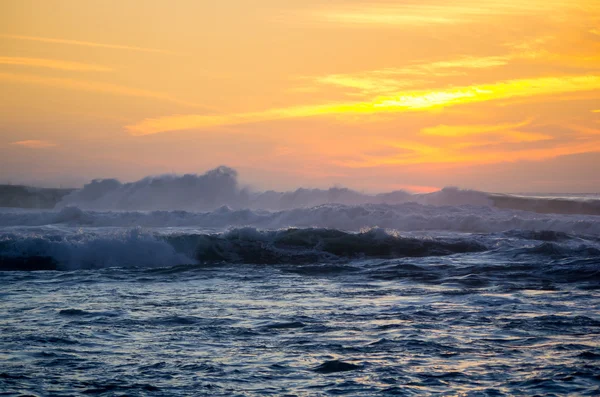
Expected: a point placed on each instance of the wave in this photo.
(138, 248)
(401, 217)
(246, 245)
(216, 188)
(221, 187)
(51, 251)
(249, 245)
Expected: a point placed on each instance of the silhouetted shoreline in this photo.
(19, 196)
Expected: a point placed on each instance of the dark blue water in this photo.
(299, 313)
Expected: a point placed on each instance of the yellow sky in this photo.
(375, 95)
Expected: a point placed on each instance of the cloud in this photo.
(583, 129)
(383, 16)
(465, 130)
(92, 86)
(531, 45)
(82, 43)
(484, 135)
(53, 64)
(467, 62)
(528, 52)
(487, 92)
(34, 144)
(430, 12)
(432, 154)
(405, 101)
(368, 83)
(480, 144)
(386, 81)
(504, 137)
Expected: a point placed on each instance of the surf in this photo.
(221, 187)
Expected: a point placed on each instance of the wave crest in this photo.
(87, 250)
(402, 217)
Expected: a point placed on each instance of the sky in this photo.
(494, 95)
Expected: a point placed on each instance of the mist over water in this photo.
(213, 189)
(221, 187)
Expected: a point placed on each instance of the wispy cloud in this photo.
(92, 86)
(386, 81)
(368, 83)
(466, 130)
(428, 12)
(461, 137)
(389, 80)
(502, 137)
(583, 129)
(53, 64)
(486, 92)
(436, 154)
(467, 62)
(406, 101)
(385, 15)
(34, 144)
(82, 43)
(530, 45)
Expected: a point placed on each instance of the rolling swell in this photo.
(135, 248)
(318, 245)
(403, 217)
(294, 246)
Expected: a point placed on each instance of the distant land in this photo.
(19, 196)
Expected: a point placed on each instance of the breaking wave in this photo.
(220, 186)
(315, 251)
(51, 251)
(246, 245)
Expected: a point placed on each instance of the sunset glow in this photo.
(369, 95)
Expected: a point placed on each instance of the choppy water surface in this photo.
(360, 300)
(499, 322)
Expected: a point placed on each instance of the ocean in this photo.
(306, 293)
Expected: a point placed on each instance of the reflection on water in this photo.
(255, 330)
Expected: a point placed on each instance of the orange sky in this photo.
(374, 95)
